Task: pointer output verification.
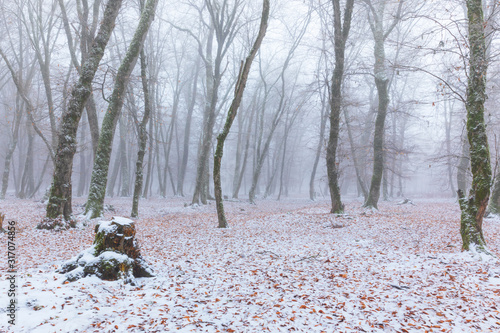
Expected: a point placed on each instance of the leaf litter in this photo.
(281, 267)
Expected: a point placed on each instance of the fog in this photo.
(283, 119)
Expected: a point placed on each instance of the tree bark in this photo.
(324, 118)
(85, 44)
(341, 33)
(60, 192)
(187, 131)
(382, 84)
(474, 206)
(143, 138)
(124, 186)
(97, 191)
(10, 153)
(233, 109)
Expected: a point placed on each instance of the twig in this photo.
(270, 252)
(307, 258)
(213, 286)
(399, 287)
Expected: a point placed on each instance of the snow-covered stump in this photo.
(114, 255)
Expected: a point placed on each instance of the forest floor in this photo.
(280, 267)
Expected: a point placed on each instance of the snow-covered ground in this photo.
(280, 267)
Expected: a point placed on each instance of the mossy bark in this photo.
(474, 207)
(61, 189)
(95, 201)
(233, 109)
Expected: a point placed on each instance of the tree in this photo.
(87, 34)
(143, 138)
(224, 27)
(380, 34)
(97, 190)
(341, 32)
(474, 206)
(61, 189)
(263, 146)
(322, 83)
(233, 109)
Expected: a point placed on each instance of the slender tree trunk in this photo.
(241, 172)
(187, 131)
(341, 34)
(324, 117)
(143, 138)
(27, 180)
(209, 117)
(378, 143)
(150, 159)
(40, 179)
(114, 175)
(474, 206)
(10, 153)
(448, 121)
(95, 201)
(60, 193)
(82, 180)
(354, 156)
(380, 34)
(233, 109)
(282, 171)
(124, 188)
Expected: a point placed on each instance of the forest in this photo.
(248, 166)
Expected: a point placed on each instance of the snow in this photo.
(122, 220)
(107, 227)
(282, 266)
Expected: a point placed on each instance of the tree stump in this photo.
(114, 255)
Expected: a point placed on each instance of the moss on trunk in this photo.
(474, 207)
(99, 178)
(61, 189)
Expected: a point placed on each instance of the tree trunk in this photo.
(97, 190)
(82, 180)
(378, 143)
(474, 206)
(324, 117)
(187, 131)
(60, 192)
(150, 159)
(448, 116)
(85, 43)
(143, 138)
(233, 109)
(241, 172)
(124, 188)
(341, 33)
(10, 153)
(212, 87)
(463, 167)
(382, 83)
(27, 180)
(355, 161)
